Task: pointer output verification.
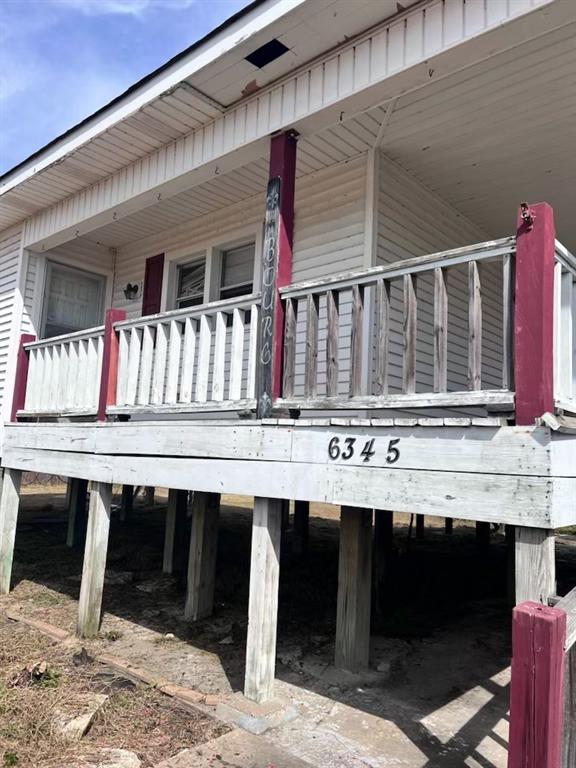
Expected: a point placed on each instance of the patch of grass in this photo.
(47, 599)
(10, 759)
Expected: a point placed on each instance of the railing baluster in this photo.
(236, 355)
(54, 377)
(219, 371)
(474, 327)
(253, 350)
(410, 329)
(356, 340)
(564, 332)
(203, 359)
(99, 344)
(289, 368)
(34, 372)
(440, 331)
(92, 377)
(123, 367)
(333, 333)
(311, 379)
(143, 397)
(133, 365)
(72, 388)
(188, 360)
(173, 370)
(160, 355)
(508, 322)
(81, 381)
(383, 335)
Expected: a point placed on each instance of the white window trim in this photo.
(40, 284)
(212, 251)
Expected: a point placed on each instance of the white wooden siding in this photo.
(413, 221)
(390, 49)
(9, 272)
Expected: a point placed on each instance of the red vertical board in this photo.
(537, 686)
(21, 377)
(152, 291)
(534, 313)
(109, 376)
(283, 166)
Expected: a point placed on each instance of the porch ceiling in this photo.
(496, 134)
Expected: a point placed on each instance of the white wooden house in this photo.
(291, 264)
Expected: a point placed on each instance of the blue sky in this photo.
(60, 60)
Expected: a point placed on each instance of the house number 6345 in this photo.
(346, 449)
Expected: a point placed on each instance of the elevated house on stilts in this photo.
(296, 263)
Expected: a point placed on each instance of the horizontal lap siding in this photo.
(413, 221)
(9, 263)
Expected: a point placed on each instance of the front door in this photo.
(73, 300)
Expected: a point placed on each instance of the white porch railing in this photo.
(201, 358)
(372, 339)
(565, 329)
(64, 374)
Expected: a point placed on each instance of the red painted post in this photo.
(21, 376)
(109, 377)
(283, 165)
(534, 313)
(537, 686)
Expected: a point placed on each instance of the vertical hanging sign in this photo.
(267, 329)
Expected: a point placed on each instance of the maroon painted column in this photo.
(283, 167)
(537, 686)
(21, 376)
(534, 313)
(109, 376)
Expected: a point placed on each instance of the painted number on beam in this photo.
(347, 449)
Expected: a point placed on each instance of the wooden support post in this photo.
(354, 578)
(383, 552)
(448, 525)
(420, 520)
(149, 492)
(301, 528)
(77, 513)
(482, 534)
(127, 503)
(537, 686)
(285, 514)
(202, 557)
(95, 552)
(9, 503)
(263, 602)
(174, 532)
(109, 377)
(534, 313)
(535, 567)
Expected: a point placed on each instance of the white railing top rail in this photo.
(477, 252)
(212, 308)
(566, 258)
(89, 333)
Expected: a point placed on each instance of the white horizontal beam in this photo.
(429, 41)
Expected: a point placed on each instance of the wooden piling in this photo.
(95, 551)
(174, 556)
(535, 570)
(301, 528)
(354, 580)
(9, 503)
(77, 512)
(202, 557)
(263, 602)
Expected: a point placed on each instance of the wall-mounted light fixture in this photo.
(131, 291)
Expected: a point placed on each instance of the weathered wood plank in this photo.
(202, 556)
(440, 331)
(289, 370)
(311, 366)
(474, 327)
(356, 341)
(90, 603)
(487, 398)
(354, 579)
(263, 601)
(410, 330)
(383, 336)
(535, 564)
(333, 333)
(9, 503)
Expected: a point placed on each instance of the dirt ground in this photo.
(436, 693)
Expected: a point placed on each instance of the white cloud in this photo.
(122, 7)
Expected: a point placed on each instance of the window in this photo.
(73, 300)
(190, 284)
(237, 273)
